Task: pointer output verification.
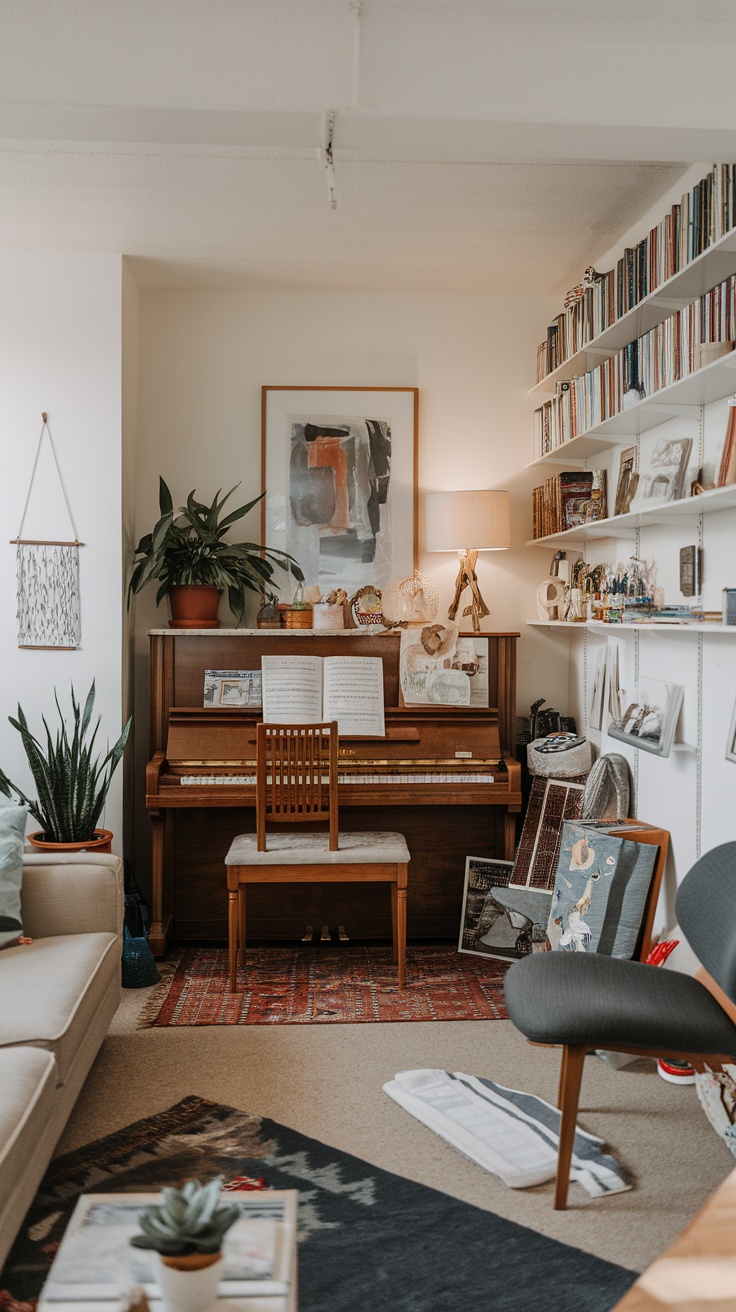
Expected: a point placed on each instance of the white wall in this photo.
(205, 355)
(60, 351)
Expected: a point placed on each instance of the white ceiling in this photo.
(478, 146)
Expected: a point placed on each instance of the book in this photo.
(317, 689)
(232, 688)
(97, 1263)
(569, 500)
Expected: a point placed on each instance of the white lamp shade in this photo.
(472, 521)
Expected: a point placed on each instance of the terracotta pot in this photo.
(100, 843)
(194, 606)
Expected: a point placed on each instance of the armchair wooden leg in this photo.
(233, 934)
(572, 1073)
(561, 1082)
(241, 924)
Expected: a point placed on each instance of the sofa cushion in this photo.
(12, 828)
(56, 985)
(28, 1080)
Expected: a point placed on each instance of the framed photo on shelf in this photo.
(649, 723)
(663, 463)
(339, 472)
(499, 919)
(628, 478)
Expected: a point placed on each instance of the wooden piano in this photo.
(447, 775)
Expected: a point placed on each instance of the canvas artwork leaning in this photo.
(649, 723)
(600, 891)
(499, 919)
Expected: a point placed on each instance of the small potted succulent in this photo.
(72, 786)
(186, 1230)
(188, 555)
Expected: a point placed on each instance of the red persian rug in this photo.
(312, 985)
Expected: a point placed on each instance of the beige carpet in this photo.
(325, 1081)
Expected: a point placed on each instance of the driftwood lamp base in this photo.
(467, 579)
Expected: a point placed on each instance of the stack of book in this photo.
(569, 500)
(662, 356)
(703, 216)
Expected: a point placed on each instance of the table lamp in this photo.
(468, 522)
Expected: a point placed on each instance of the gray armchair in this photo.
(591, 1001)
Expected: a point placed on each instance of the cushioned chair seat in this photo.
(56, 985)
(571, 998)
(308, 849)
(27, 1097)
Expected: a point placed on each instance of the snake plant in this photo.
(188, 1220)
(187, 546)
(71, 785)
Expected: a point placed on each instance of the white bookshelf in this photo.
(698, 277)
(599, 626)
(684, 397)
(684, 513)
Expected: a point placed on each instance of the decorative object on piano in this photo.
(232, 688)
(468, 522)
(187, 551)
(72, 787)
(47, 579)
(268, 616)
(364, 609)
(663, 465)
(328, 616)
(608, 789)
(628, 478)
(649, 723)
(299, 614)
(500, 919)
(411, 601)
(343, 501)
(691, 571)
(439, 667)
(551, 801)
(599, 898)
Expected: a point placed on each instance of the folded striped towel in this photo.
(513, 1135)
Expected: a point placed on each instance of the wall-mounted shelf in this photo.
(684, 397)
(598, 626)
(697, 277)
(684, 512)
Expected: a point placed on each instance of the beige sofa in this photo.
(57, 998)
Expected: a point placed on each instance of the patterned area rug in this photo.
(311, 985)
(369, 1241)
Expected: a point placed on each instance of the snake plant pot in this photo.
(100, 843)
(189, 1283)
(194, 606)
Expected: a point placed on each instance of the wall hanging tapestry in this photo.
(368, 1237)
(48, 579)
(309, 985)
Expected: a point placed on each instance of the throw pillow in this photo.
(600, 891)
(12, 833)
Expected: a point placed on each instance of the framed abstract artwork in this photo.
(339, 472)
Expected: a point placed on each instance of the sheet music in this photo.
(353, 694)
(292, 689)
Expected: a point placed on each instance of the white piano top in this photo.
(265, 633)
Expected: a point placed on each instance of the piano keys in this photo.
(447, 775)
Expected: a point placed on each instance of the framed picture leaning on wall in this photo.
(339, 469)
(731, 740)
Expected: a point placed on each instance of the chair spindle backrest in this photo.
(296, 776)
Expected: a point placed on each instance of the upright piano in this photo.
(444, 777)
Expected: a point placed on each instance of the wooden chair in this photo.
(584, 1001)
(296, 782)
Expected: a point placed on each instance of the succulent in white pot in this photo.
(186, 1230)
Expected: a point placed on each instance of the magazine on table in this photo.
(96, 1261)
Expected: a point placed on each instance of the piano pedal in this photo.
(307, 938)
(325, 936)
(343, 936)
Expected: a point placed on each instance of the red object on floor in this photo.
(661, 951)
(244, 1184)
(675, 1072)
(315, 985)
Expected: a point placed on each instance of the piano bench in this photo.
(306, 859)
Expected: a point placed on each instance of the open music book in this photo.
(314, 689)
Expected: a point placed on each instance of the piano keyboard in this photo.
(249, 780)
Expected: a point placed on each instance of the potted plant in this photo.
(188, 554)
(186, 1230)
(72, 786)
